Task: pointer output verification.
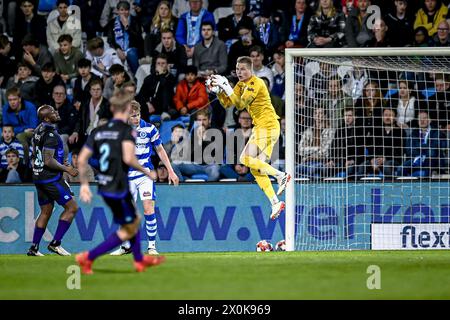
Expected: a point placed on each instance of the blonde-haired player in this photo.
(251, 93)
(147, 142)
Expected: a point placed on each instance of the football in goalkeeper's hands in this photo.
(211, 87)
(264, 246)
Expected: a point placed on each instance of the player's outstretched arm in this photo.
(173, 178)
(83, 157)
(129, 157)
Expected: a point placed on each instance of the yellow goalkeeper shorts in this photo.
(265, 139)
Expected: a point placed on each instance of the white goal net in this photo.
(367, 135)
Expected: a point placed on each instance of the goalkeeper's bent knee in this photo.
(247, 161)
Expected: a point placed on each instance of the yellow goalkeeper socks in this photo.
(263, 167)
(265, 184)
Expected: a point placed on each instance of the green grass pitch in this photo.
(249, 275)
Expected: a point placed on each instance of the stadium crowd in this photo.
(74, 54)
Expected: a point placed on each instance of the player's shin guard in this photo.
(136, 246)
(107, 245)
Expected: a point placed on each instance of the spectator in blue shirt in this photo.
(188, 31)
(21, 115)
(125, 36)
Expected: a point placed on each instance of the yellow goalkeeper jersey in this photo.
(253, 96)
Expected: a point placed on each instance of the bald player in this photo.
(48, 168)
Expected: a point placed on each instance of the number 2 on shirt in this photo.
(104, 161)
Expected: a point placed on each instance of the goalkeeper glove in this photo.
(223, 83)
(211, 87)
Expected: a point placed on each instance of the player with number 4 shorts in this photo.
(48, 167)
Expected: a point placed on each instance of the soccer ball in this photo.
(211, 88)
(281, 245)
(264, 246)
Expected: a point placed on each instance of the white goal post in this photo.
(377, 58)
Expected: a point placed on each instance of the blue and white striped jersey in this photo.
(146, 141)
(14, 144)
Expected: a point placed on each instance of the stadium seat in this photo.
(194, 180)
(188, 122)
(371, 178)
(72, 10)
(333, 179)
(222, 12)
(155, 118)
(342, 174)
(184, 119)
(142, 72)
(406, 178)
(45, 6)
(165, 130)
(420, 173)
(228, 180)
(371, 175)
(200, 176)
(54, 14)
(391, 93)
(94, 163)
(311, 69)
(428, 92)
(105, 41)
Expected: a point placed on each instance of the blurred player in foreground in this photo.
(48, 167)
(251, 93)
(147, 140)
(114, 145)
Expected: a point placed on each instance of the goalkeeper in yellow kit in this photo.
(251, 93)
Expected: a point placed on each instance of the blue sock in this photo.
(110, 243)
(61, 230)
(151, 229)
(135, 243)
(37, 235)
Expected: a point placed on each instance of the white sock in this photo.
(126, 245)
(280, 174)
(274, 200)
(152, 244)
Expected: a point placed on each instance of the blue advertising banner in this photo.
(234, 217)
(212, 217)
